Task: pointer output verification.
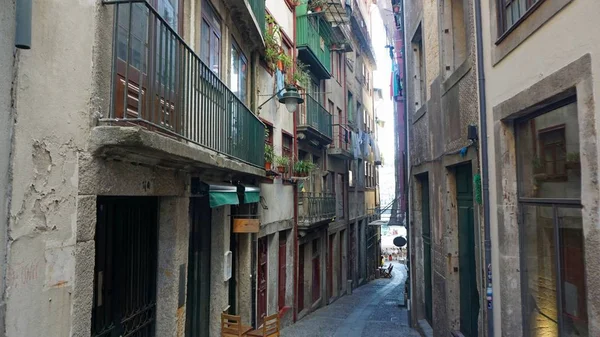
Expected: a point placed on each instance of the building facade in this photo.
(542, 128)
(538, 132)
(136, 196)
(445, 234)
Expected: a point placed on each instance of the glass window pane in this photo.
(539, 258)
(243, 79)
(235, 71)
(215, 54)
(548, 161)
(205, 43)
(574, 305)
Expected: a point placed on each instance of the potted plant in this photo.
(284, 62)
(269, 155)
(281, 163)
(302, 168)
(316, 5)
(272, 48)
(301, 76)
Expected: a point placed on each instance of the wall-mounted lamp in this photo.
(291, 98)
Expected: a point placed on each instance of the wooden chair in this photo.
(270, 327)
(231, 326)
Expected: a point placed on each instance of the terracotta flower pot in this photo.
(267, 166)
(281, 169)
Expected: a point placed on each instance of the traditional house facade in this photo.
(136, 198)
(543, 150)
(445, 218)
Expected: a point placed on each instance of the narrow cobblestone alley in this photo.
(371, 310)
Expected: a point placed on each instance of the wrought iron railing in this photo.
(258, 8)
(315, 207)
(160, 83)
(313, 114)
(309, 34)
(341, 137)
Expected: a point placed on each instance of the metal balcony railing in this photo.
(314, 115)
(341, 137)
(308, 34)
(315, 207)
(160, 83)
(258, 8)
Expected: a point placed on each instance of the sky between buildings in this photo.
(384, 110)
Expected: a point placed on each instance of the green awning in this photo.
(251, 194)
(221, 195)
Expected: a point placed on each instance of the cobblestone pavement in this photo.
(371, 310)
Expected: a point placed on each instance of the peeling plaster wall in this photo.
(51, 98)
(8, 57)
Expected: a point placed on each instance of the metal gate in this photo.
(262, 278)
(125, 272)
(198, 289)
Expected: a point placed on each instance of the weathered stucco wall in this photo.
(52, 121)
(513, 88)
(8, 56)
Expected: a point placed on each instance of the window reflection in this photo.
(539, 261)
(574, 304)
(548, 154)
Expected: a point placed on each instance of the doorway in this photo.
(262, 278)
(125, 271)
(469, 295)
(198, 289)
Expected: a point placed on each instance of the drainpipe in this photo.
(295, 190)
(406, 202)
(484, 160)
(23, 30)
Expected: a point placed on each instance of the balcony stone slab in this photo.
(246, 21)
(138, 144)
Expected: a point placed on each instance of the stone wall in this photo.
(437, 131)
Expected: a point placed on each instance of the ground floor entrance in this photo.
(469, 296)
(198, 280)
(124, 301)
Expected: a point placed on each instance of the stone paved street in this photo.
(371, 310)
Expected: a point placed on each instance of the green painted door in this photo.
(198, 281)
(469, 297)
(426, 234)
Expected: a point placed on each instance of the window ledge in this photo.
(457, 75)
(534, 19)
(519, 21)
